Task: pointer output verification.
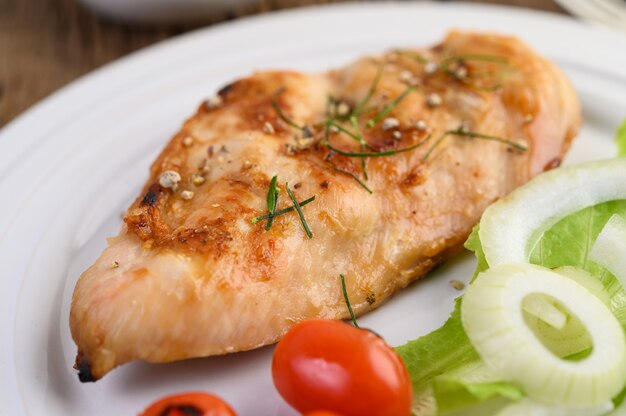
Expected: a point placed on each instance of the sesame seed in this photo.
(303, 142)
(397, 135)
(334, 129)
(460, 72)
(290, 149)
(213, 102)
(434, 100)
(115, 264)
(197, 179)
(463, 127)
(430, 67)
(307, 131)
(268, 128)
(188, 141)
(186, 195)
(457, 284)
(405, 76)
(414, 82)
(215, 205)
(528, 118)
(169, 179)
(390, 123)
(421, 125)
(343, 109)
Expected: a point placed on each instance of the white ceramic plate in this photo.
(72, 164)
(606, 12)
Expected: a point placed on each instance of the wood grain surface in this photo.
(45, 44)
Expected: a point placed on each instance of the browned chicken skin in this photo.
(190, 275)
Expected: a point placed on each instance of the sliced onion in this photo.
(541, 308)
(586, 280)
(510, 227)
(609, 249)
(528, 407)
(493, 318)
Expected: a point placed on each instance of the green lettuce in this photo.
(620, 137)
(441, 351)
(436, 361)
(454, 395)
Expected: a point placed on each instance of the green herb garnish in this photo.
(296, 205)
(356, 178)
(355, 125)
(272, 201)
(358, 110)
(345, 297)
(413, 55)
(374, 154)
(282, 211)
(280, 112)
(474, 135)
(389, 107)
(445, 64)
(356, 137)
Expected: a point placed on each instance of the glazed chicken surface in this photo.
(192, 274)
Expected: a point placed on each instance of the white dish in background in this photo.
(607, 12)
(165, 11)
(73, 163)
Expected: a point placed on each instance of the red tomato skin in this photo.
(209, 404)
(331, 365)
(321, 413)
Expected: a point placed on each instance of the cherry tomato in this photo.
(332, 365)
(186, 404)
(321, 413)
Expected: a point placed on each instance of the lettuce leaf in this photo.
(441, 351)
(434, 360)
(454, 395)
(620, 137)
(569, 241)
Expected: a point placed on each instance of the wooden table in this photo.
(45, 44)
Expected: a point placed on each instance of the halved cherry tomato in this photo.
(190, 404)
(334, 366)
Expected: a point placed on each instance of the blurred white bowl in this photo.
(607, 12)
(163, 11)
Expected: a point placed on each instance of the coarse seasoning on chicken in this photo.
(382, 169)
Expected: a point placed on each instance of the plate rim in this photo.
(114, 69)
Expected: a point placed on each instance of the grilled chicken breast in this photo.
(192, 275)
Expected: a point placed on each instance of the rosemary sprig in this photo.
(282, 211)
(356, 178)
(280, 112)
(445, 66)
(272, 201)
(473, 57)
(475, 135)
(356, 137)
(389, 107)
(358, 110)
(413, 55)
(376, 154)
(355, 125)
(347, 300)
(296, 205)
